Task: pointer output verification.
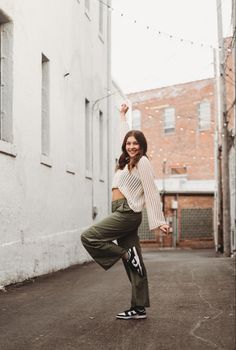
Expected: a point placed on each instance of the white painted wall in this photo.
(46, 202)
(118, 98)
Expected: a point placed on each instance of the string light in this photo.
(196, 130)
(171, 156)
(168, 35)
(189, 118)
(178, 116)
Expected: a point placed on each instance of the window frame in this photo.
(169, 130)
(7, 145)
(101, 146)
(87, 9)
(101, 18)
(203, 123)
(136, 119)
(45, 107)
(88, 140)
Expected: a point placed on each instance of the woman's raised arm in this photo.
(124, 126)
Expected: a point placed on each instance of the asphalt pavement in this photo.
(192, 296)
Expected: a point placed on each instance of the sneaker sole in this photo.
(136, 317)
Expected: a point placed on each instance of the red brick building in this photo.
(178, 122)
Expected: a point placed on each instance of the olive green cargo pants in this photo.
(122, 225)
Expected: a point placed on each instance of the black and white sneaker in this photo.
(132, 313)
(134, 261)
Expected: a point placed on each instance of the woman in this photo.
(132, 188)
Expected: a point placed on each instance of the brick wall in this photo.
(187, 146)
(200, 224)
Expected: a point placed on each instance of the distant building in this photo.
(54, 132)
(179, 123)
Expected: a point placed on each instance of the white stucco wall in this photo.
(44, 209)
(118, 98)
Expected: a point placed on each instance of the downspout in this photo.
(109, 87)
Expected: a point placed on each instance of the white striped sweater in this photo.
(138, 187)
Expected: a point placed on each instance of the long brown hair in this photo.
(124, 158)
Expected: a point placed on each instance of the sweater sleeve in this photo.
(124, 128)
(151, 194)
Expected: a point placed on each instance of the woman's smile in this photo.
(132, 147)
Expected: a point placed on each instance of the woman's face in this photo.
(132, 146)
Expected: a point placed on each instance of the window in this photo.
(169, 120)
(6, 83)
(88, 144)
(101, 18)
(101, 145)
(136, 120)
(204, 115)
(178, 170)
(45, 122)
(87, 5)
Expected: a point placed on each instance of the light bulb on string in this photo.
(171, 36)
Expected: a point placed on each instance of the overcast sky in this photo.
(143, 58)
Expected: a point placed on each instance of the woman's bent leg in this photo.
(98, 239)
(99, 245)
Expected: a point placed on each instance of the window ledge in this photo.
(101, 177)
(88, 174)
(87, 14)
(204, 129)
(8, 148)
(45, 160)
(101, 37)
(167, 133)
(179, 176)
(70, 168)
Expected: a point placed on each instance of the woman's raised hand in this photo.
(123, 109)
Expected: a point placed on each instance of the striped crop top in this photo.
(138, 187)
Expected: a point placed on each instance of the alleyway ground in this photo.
(192, 296)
